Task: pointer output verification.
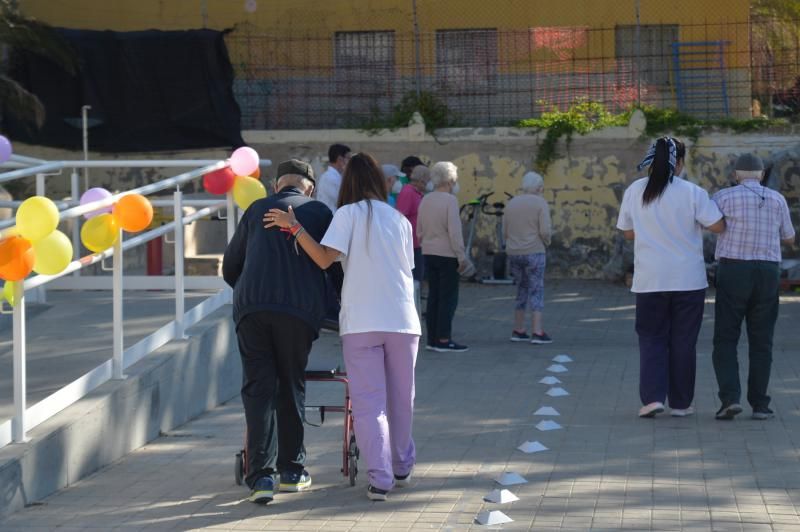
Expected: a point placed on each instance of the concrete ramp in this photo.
(166, 389)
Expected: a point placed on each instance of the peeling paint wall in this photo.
(584, 187)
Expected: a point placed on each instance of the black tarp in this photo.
(149, 91)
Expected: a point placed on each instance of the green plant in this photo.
(581, 118)
(661, 121)
(433, 110)
(584, 117)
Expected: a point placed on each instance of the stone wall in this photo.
(584, 187)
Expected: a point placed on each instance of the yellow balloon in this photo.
(53, 253)
(37, 217)
(8, 292)
(99, 233)
(246, 190)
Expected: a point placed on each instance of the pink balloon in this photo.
(5, 149)
(244, 161)
(96, 194)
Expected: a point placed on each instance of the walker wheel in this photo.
(352, 460)
(239, 469)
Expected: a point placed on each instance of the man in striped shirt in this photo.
(757, 221)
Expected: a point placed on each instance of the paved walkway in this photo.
(71, 335)
(605, 470)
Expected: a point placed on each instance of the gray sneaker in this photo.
(729, 411)
(762, 412)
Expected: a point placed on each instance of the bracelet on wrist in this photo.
(296, 228)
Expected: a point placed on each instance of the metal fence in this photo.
(489, 77)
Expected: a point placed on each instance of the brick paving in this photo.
(605, 470)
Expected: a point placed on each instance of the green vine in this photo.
(581, 118)
(661, 121)
(584, 117)
(434, 112)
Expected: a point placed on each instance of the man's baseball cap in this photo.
(747, 162)
(296, 167)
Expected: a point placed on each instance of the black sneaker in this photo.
(762, 412)
(520, 336)
(376, 494)
(297, 481)
(729, 411)
(541, 338)
(451, 346)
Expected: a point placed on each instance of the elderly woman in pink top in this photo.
(408, 202)
(439, 230)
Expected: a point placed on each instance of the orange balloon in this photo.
(133, 213)
(16, 258)
(257, 173)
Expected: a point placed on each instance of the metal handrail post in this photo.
(180, 310)
(40, 295)
(18, 425)
(231, 216)
(231, 225)
(76, 222)
(118, 331)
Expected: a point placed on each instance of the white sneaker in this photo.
(681, 412)
(403, 482)
(652, 409)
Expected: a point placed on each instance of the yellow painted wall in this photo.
(323, 17)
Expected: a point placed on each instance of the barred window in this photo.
(466, 61)
(655, 56)
(364, 57)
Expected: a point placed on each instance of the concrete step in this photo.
(205, 264)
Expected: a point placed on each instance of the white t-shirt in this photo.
(328, 186)
(378, 291)
(668, 244)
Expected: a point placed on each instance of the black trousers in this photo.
(746, 291)
(274, 349)
(442, 274)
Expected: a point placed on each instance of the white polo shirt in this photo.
(328, 186)
(668, 247)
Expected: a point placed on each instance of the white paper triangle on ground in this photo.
(495, 517)
(562, 358)
(557, 368)
(557, 392)
(500, 497)
(550, 380)
(546, 411)
(510, 479)
(532, 447)
(548, 424)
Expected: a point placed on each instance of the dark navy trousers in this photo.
(668, 324)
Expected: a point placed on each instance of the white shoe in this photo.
(681, 412)
(652, 409)
(403, 482)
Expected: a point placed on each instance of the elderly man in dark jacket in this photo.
(279, 301)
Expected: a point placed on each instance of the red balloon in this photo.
(219, 181)
(16, 258)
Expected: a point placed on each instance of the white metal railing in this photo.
(26, 418)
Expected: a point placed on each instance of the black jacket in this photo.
(267, 271)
